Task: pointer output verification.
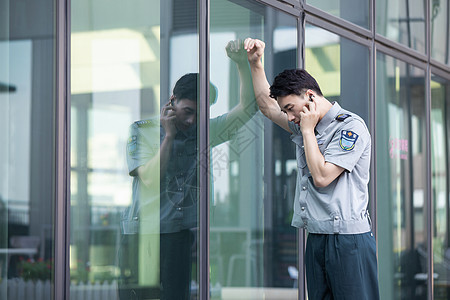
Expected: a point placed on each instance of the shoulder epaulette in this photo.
(144, 123)
(342, 117)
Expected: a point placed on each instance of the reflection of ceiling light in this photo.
(6, 88)
(317, 37)
(113, 60)
(284, 39)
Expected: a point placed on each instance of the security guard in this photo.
(333, 148)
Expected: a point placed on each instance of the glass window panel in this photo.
(402, 21)
(134, 156)
(341, 67)
(27, 152)
(440, 31)
(401, 180)
(253, 252)
(355, 11)
(440, 100)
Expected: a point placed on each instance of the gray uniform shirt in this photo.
(341, 207)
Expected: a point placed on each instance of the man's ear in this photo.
(310, 95)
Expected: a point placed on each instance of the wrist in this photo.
(307, 132)
(256, 65)
(169, 136)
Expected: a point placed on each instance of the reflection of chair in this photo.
(21, 245)
(249, 260)
(24, 245)
(293, 273)
(25, 242)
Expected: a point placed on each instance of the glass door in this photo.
(440, 100)
(401, 179)
(134, 186)
(253, 247)
(27, 152)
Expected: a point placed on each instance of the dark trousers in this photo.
(175, 267)
(341, 266)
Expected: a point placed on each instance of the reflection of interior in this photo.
(404, 182)
(26, 127)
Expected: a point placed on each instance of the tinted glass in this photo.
(402, 22)
(341, 67)
(355, 11)
(440, 31)
(134, 149)
(440, 100)
(401, 179)
(253, 252)
(27, 152)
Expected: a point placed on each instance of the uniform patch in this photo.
(348, 140)
(132, 144)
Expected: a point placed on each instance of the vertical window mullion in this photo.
(430, 219)
(61, 208)
(204, 180)
(301, 239)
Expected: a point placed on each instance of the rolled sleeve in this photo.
(344, 152)
(141, 147)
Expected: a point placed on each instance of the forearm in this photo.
(247, 95)
(315, 160)
(158, 164)
(267, 105)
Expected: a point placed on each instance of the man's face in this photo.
(292, 105)
(186, 113)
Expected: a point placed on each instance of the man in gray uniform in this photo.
(333, 148)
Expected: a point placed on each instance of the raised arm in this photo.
(247, 106)
(268, 106)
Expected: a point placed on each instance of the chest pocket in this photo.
(300, 151)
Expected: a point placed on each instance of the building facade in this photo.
(85, 93)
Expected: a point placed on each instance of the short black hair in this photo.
(187, 88)
(293, 82)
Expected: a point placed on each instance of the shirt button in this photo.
(180, 189)
(336, 218)
(304, 188)
(303, 146)
(136, 218)
(303, 208)
(179, 208)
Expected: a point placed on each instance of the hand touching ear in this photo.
(309, 117)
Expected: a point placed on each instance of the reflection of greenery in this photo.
(36, 270)
(79, 273)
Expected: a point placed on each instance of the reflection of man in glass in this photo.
(162, 158)
(333, 148)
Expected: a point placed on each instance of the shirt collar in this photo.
(328, 118)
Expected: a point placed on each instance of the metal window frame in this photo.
(301, 236)
(204, 156)
(429, 198)
(61, 211)
(286, 6)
